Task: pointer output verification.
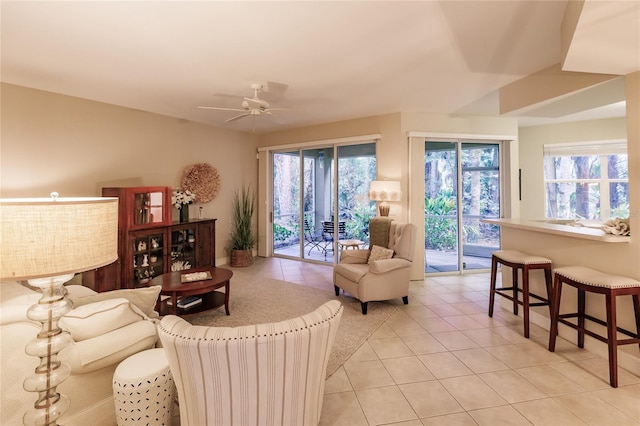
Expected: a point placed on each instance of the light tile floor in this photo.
(442, 361)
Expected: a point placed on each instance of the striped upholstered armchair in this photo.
(263, 374)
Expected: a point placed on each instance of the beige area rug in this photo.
(256, 300)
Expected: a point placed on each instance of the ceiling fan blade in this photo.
(221, 109)
(257, 101)
(277, 109)
(237, 117)
(274, 88)
(273, 92)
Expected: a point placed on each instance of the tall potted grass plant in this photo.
(243, 238)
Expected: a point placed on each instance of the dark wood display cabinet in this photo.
(193, 244)
(149, 243)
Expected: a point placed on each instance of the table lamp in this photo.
(46, 241)
(384, 191)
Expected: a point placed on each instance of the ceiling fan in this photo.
(250, 106)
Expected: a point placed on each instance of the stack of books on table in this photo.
(189, 301)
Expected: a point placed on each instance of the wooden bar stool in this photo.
(590, 280)
(517, 260)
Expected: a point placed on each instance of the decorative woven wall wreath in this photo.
(203, 180)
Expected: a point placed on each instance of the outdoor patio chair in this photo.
(328, 231)
(312, 238)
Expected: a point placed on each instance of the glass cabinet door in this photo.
(183, 248)
(149, 208)
(148, 257)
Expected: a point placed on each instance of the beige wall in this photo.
(335, 130)
(51, 142)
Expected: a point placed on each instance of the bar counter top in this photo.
(557, 227)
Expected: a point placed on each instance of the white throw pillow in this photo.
(379, 253)
(144, 298)
(98, 318)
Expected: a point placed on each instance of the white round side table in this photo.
(143, 389)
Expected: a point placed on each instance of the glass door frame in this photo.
(459, 143)
(333, 198)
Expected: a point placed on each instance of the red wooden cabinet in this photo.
(142, 207)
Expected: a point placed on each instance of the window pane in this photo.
(617, 166)
(549, 168)
(356, 170)
(577, 167)
(573, 200)
(480, 155)
(619, 195)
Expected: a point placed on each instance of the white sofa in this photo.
(92, 360)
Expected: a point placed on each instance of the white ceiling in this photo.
(339, 60)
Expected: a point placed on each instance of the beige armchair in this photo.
(374, 280)
(263, 374)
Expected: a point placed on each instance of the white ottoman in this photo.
(143, 389)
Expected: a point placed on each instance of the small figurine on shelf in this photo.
(142, 276)
(145, 259)
(142, 245)
(154, 243)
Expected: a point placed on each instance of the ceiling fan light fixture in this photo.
(250, 106)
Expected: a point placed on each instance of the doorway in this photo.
(320, 196)
(462, 187)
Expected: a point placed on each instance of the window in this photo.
(586, 181)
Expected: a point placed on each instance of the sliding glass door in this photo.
(307, 221)
(356, 170)
(462, 187)
(287, 182)
(317, 203)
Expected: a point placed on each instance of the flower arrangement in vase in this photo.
(181, 200)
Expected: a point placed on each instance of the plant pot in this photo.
(241, 258)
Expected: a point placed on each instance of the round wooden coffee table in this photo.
(174, 285)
